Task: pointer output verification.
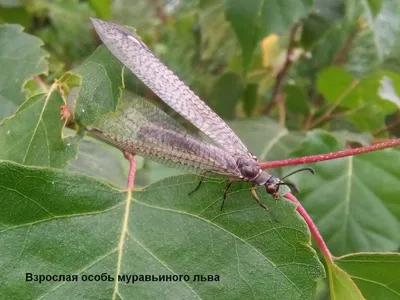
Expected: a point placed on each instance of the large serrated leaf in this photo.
(64, 223)
(21, 58)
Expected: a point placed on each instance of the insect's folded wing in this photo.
(134, 54)
(139, 127)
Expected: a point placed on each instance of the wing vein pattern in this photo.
(134, 54)
(139, 127)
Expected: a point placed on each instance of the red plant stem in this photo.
(132, 169)
(312, 227)
(328, 156)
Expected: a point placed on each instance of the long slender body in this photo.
(141, 128)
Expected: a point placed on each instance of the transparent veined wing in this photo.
(139, 127)
(134, 54)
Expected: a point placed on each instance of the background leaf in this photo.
(32, 136)
(22, 56)
(229, 87)
(341, 285)
(102, 8)
(376, 274)
(268, 140)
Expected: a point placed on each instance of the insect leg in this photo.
(228, 185)
(253, 192)
(200, 182)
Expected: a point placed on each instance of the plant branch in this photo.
(282, 73)
(312, 227)
(282, 110)
(329, 156)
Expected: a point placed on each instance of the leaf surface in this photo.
(65, 223)
(32, 136)
(22, 56)
(376, 274)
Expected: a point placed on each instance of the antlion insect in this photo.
(143, 129)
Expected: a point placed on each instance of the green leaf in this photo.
(315, 26)
(372, 7)
(242, 16)
(341, 286)
(48, 229)
(16, 15)
(250, 96)
(334, 82)
(22, 56)
(217, 36)
(32, 136)
(102, 8)
(100, 90)
(372, 45)
(326, 48)
(225, 94)
(101, 161)
(376, 274)
(366, 98)
(70, 35)
(349, 197)
(330, 10)
(278, 16)
(296, 99)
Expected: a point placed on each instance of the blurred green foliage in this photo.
(208, 42)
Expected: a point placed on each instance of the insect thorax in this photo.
(248, 167)
(251, 171)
